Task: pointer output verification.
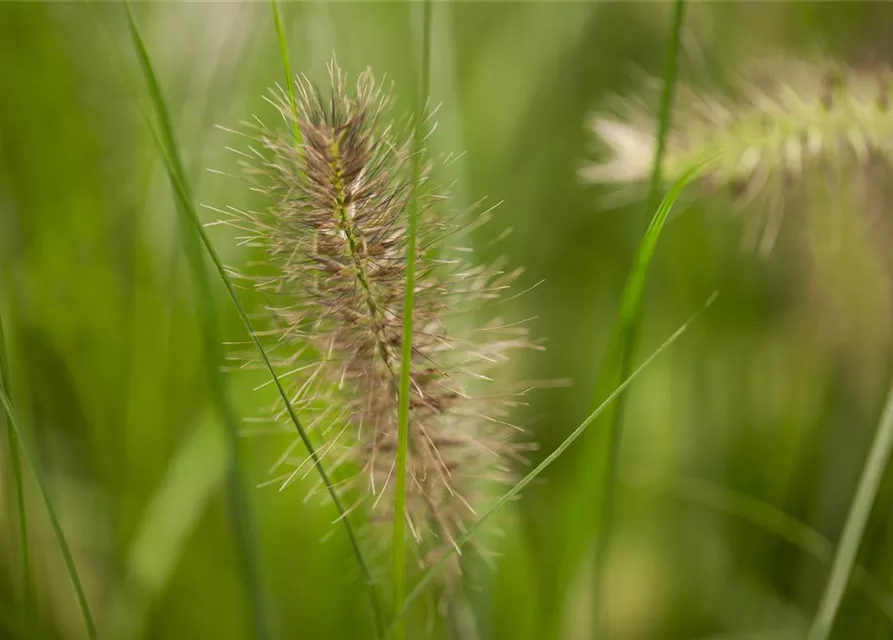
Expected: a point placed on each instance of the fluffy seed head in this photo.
(335, 240)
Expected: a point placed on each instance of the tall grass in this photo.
(168, 149)
(718, 425)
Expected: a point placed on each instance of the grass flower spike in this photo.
(810, 137)
(788, 114)
(334, 237)
(789, 118)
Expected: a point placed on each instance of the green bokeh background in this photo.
(765, 408)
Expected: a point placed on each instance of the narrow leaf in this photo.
(31, 461)
(399, 550)
(854, 528)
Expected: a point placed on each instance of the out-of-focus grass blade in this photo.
(631, 302)
(15, 465)
(854, 528)
(31, 461)
(194, 475)
(246, 540)
(168, 149)
(517, 488)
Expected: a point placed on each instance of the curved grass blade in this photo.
(12, 421)
(631, 309)
(772, 520)
(196, 472)
(854, 528)
(517, 488)
(239, 504)
(15, 463)
(168, 150)
(406, 346)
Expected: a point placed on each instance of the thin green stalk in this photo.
(406, 354)
(167, 148)
(854, 528)
(15, 463)
(631, 309)
(246, 538)
(530, 477)
(286, 66)
(31, 461)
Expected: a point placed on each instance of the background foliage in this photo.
(743, 444)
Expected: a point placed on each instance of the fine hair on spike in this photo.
(334, 236)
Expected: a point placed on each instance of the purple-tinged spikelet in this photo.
(334, 236)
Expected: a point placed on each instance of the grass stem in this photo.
(408, 303)
(631, 315)
(286, 67)
(854, 528)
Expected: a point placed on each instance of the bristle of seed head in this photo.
(335, 237)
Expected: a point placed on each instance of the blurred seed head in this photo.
(787, 116)
(813, 140)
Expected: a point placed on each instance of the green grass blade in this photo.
(167, 148)
(517, 488)
(238, 499)
(631, 308)
(286, 66)
(15, 463)
(854, 528)
(399, 549)
(31, 461)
